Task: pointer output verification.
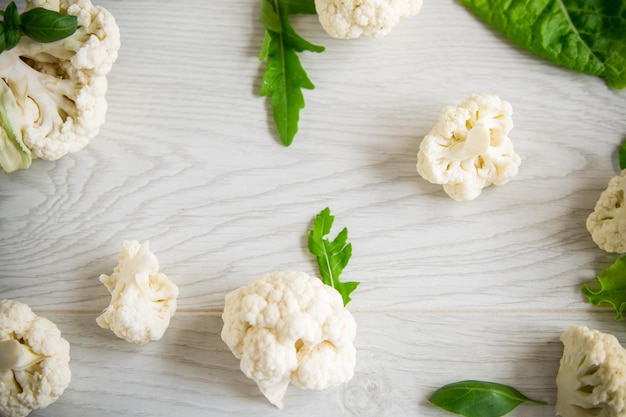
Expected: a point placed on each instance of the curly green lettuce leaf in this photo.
(611, 289)
(14, 154)
(284, 76)
(479, 398)
(332, 256)
(584, 35)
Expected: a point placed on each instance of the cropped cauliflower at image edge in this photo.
(290, 327)
(469, 148)
(349, 19)
(143, 300)
(34, 360)
(53, 94)
(592, 375)
(607, 223)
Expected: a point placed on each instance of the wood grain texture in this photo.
(189, 159)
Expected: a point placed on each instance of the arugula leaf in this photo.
(284, 76)
(612, 287)
(332, 257)
(586, 36)
(479, 398)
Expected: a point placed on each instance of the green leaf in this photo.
(12, 31)
(584, 35)
(3, 42)
(612, 288)
(44, 25)
(479, 398)
(284, 77)
(622, 155)
(332, 256)
(14, 154)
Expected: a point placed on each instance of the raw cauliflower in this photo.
(469, 147)
(142, 299)
(290, 327)
(58, 89)
(34, 360)
(607, 223)
(348, 19)
(591, 381)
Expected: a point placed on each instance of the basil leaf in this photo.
(12, 32)
(479, 398)
(44, 25)
(586, 36)
(284, 77)
(332, 256)
(622, 155)
(3, 41)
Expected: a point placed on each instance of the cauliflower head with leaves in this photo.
(607, 223)
(290, 327)
(143, 300)
(53, 94)
(348, 19)
(34, 360)
(592, 375)
(469, 147)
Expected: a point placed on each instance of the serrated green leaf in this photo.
(479, 398)
(584, 35)
(14, 154)
(612, 288)
(332, 256)
(43, 25)
(622, 155)
(284, 77)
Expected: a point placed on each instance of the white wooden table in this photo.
(189, 160)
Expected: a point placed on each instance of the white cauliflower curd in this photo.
(290, 327)
(591, 381)
(607, 223)
(34, 360)
(142, 299)
(348, 19)
(54, 93)
(469, 148)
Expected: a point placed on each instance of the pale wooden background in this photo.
(188, 159)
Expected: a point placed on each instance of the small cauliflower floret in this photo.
(591, 381)
(348, 19)
(60, 87)
(469, 148)
(290, 327)
(142, 299)
(607, 223)
(34, 360)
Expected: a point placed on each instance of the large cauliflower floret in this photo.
(592, 376)
(60, 87)
(143, 300)
(469, 148)
(34, 360)
(607, 223)
(290, 327)
(348, 19)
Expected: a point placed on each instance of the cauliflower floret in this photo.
(592, 376)
(60, 86)
(34, 360)
(348, 19)
(469, 148)
(290, 327)
(142, 299)
(607, 223)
